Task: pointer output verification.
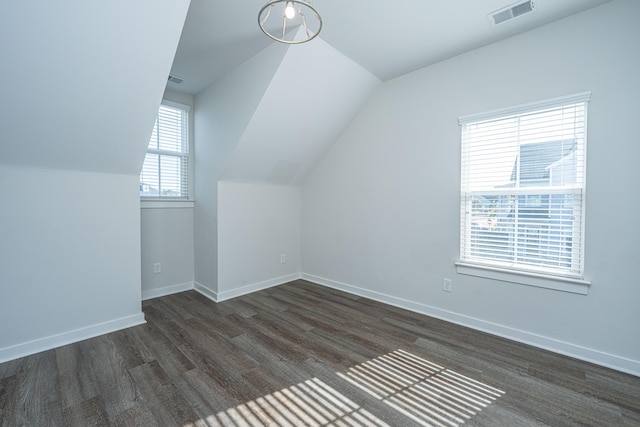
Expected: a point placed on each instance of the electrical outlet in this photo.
(283, 259)
(447, 285)
(157, 268)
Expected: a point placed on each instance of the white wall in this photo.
(257, 223)
(222, 112)
(80, 91)
(267, 121)
(381, 210)
(69, 257)
(167, 238)
(167, 234)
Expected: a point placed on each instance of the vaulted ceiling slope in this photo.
(386, 38)
(82, 80)
(270, 119)
(258, 124)
(312, 97)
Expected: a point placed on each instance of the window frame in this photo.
(563, 280)
(157, 200)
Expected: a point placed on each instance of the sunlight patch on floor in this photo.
(429, 394)
(311, 403)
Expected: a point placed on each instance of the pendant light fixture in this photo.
(278, 19)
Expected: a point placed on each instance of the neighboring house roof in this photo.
(536, 158)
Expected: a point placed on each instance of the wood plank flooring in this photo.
(304, 355)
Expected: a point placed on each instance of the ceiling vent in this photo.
(175, 79)
(512, 11)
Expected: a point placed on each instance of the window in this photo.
(165, 173)
(522, 192)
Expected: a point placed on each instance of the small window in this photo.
(522, 192)
(165, 173)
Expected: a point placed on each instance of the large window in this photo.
(165, 173)
(523, 182)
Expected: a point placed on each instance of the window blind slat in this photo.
(522, 186)
(165, 172)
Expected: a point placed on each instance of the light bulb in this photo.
(289, 11)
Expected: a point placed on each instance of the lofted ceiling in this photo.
(386, 38)
(75, 73)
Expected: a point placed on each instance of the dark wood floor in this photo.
(304, 355)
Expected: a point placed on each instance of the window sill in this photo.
(565, 284)
(164, 204)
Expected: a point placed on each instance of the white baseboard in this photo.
(69, 337)
(167, 290)
(233, 293)
(212, 295)
(593, 356)
(247, 289)
(600, 358)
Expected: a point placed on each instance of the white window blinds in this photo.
(165, 172)
(523, 182)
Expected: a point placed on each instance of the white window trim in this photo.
(547, 281)
(523, 108)
(163, 202)
(566, 283)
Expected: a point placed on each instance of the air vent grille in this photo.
(523, 8)
(175, 79)
(512, 11)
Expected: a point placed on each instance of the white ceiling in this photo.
(72, 82)
(387, 38)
